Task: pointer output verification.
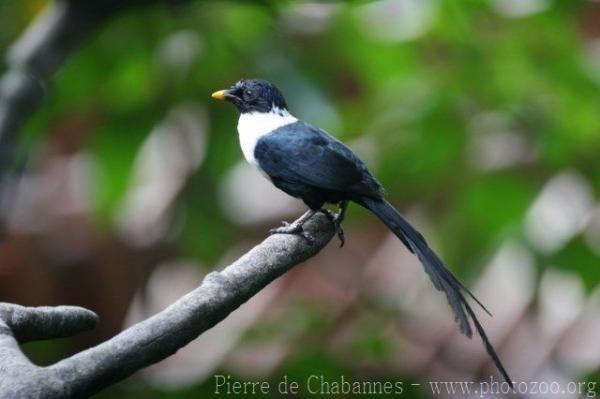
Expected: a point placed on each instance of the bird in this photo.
(308, 163)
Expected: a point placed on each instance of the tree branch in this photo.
(32, 324)
(151, 340)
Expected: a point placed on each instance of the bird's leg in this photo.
(295, 227)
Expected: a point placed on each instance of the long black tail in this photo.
(441, 277)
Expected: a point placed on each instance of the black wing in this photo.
(302, 153)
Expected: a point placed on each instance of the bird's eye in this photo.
(248, 95)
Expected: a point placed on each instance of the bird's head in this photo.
(253, 95)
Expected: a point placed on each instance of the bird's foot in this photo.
(336, 219)
(291, 228)
(287, 228)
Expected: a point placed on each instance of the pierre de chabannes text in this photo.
(314, 384)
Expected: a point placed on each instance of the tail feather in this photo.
(442, 278)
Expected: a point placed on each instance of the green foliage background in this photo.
(417, 101)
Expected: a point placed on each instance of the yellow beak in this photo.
(219, 95)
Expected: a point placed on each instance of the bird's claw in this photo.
(293, 229)
(287, 228)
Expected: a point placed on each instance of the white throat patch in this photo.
(252, 126)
